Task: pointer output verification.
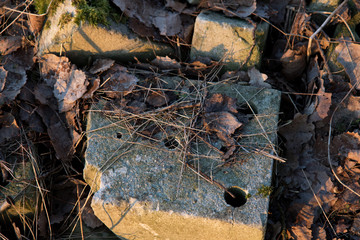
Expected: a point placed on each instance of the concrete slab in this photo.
(143, 189)
(237, 41)
(81, 42)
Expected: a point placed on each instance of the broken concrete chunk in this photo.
(154, 188)
(236, 41)
(81, 42)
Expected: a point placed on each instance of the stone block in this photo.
(84, 41)
(144, 190)
(237, 41)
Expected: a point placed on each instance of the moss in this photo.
(64, 19)
(94, 12)
(41, 6)
(264, 191)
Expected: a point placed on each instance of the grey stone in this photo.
(84, 41)
(144, 190)
(238, 42)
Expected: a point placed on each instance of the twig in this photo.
(321, 27)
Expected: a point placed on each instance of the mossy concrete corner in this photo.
(145, 190)
(238, 42)
(84, 41)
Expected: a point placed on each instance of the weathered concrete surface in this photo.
(235, 40)
(79, 43)
(143, 190)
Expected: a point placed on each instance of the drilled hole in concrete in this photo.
(235, 196)
(118, 135)
(171, 143)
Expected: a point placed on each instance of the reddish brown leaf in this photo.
(88, 215)
(165, 63)
(294, 62)
(118, 82)
(220, 103)
(157, 99)
(9, 44)
(101, 65)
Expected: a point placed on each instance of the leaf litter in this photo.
(52, 104)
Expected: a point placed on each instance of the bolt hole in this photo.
(171, 143)
(239, 198)
(118, 135)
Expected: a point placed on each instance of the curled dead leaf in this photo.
(219, 103)
(69, 84)
(294, 62)
(101, 65)
(118, 82)
(9, 127)
(257, 78)
(165, 63)
(157, 99)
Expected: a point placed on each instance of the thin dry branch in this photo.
(322, 26)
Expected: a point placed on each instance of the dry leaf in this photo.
(294, 62)
(157, 99)
(298, 132)
(166, 63)
(258, 79)
(219, 103)
(101, 65)
(223, 123)
(175, 5)
(94, 86)
(88, 215)
(349, 57)
(118, 82)
(9, 44)
(69, 84)
(9, 127)
(12, 79)
(61, 138)
(152, 13)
